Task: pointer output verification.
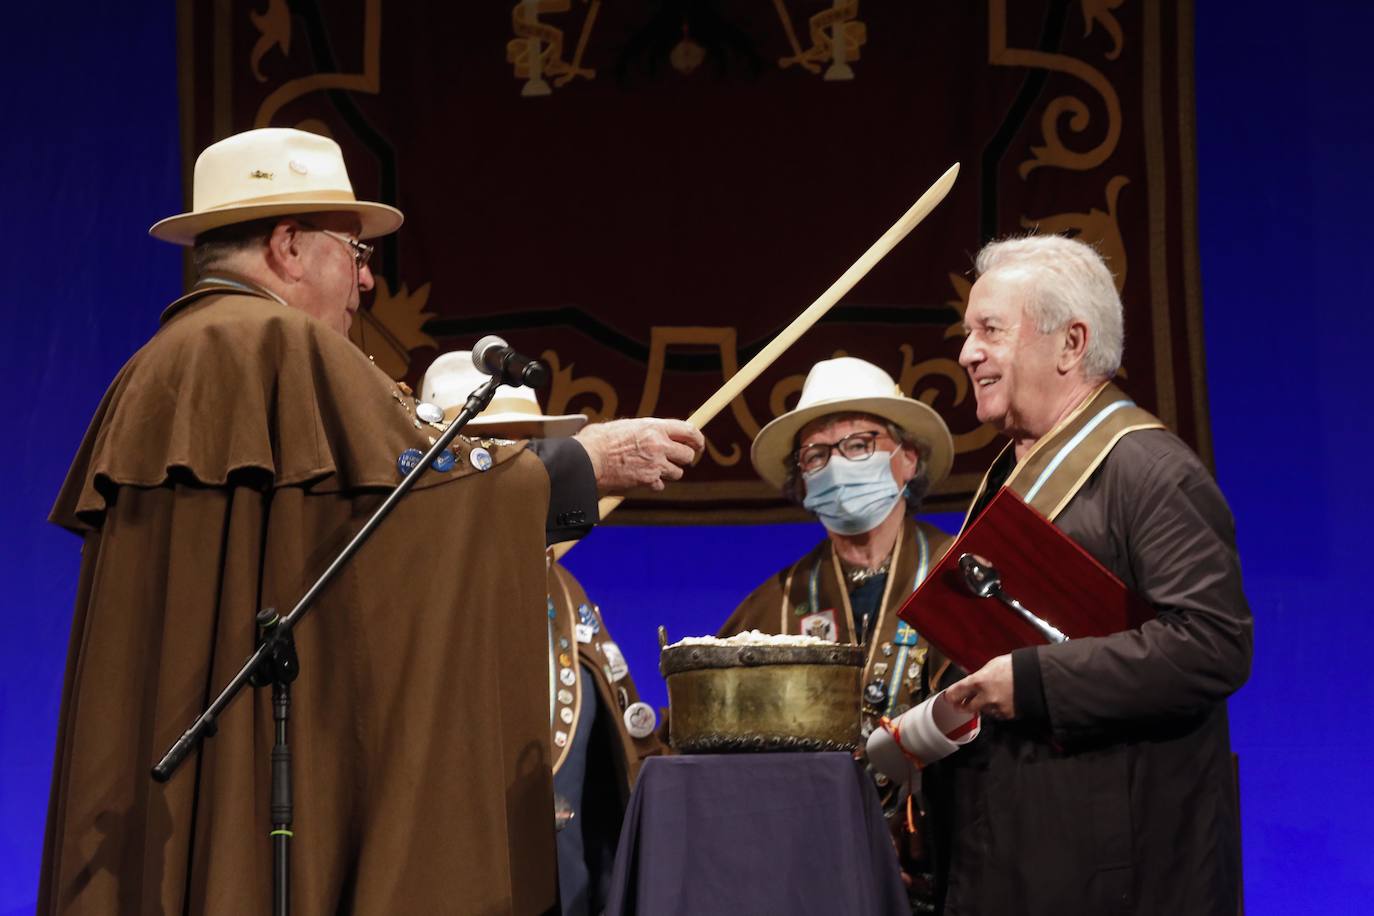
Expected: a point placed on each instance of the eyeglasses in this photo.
(856, 446)
(361, 250)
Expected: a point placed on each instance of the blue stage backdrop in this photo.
(1284, 130)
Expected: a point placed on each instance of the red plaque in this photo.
(1041, 567)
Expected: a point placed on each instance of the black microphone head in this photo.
(536, 374)
(486, 354)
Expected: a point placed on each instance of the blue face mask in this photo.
(852, 497)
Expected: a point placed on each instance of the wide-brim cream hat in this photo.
(452, 377)
(272, 171)
(850, 385)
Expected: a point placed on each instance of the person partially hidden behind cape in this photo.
(601, 731)
(230, 460)
(1102, 779)
(861, 456)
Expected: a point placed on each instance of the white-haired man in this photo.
(230, 460)
(1103, 783)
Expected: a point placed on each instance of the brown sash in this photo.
(1058, 465)
(569, 607)
(565, 692)
(896, 655)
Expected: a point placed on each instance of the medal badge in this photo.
(409, 460)
(430, 413)
(616, 668)
(588, 618)
(875, 695)
(821, 625)
(640, 720)
(588, 625)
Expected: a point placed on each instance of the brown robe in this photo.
(612, 756)
(1112, 791)
(623, 752)
(229, 461)
(783, 604)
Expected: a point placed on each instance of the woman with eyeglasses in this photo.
(861, 457)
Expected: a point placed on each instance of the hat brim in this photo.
(775, 441)
(540, 425)
(182, 229)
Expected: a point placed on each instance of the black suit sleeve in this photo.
(572, 488)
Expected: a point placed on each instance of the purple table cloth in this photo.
(755, 834)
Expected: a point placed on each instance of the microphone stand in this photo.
(274, 662)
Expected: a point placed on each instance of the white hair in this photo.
(1069, 281)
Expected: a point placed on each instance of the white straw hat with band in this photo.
(850, 385)
(452, 377)
(272, 171)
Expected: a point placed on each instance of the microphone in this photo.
(493, 356)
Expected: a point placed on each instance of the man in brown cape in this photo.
(601, 731)
(860, 455)
(1104, 782)
(230, 460)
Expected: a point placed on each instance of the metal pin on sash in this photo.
(984, 581)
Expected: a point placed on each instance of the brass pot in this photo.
(724, 699)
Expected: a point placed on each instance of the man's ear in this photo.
(1073, 346)
(284, 250)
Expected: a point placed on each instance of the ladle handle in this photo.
(1051, 633)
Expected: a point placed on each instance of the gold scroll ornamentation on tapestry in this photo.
(564, 389)
(916, 381)
(1099, 228)
(836, 36)
(274, 26)
(962, 287)
(1054, 151)
(536, 51)
(723, 339)
(274, 31)
(1099, 12)
(783, 390)
(925, 381)
(389, 330)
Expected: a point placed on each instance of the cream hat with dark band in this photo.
(452, 377)
(850, 385)
(272, 171)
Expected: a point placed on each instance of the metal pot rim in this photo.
(676, 659)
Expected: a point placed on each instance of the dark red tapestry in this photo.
(646, 192)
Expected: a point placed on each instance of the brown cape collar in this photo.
(1051, 473)
(218, 283)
